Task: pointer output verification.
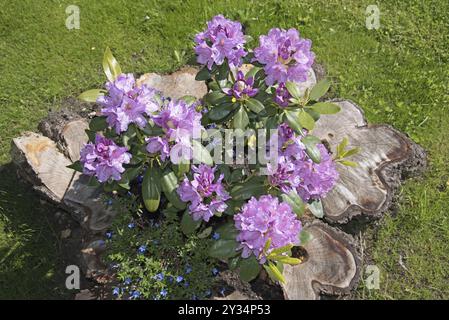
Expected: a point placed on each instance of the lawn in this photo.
(397, 74)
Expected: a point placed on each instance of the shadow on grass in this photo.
(31, 262)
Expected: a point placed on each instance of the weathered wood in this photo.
(386, 156)
(176, 85)
(330, 266)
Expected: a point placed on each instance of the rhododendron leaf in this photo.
(306, 120)
(254, 187)
(201, 154)
(90, 134)
(169, 183)
(319, 90)
(312, 150)
(181, 169)
(227, 231)
(254, 105)
(98, 124)
(267, 245)
(295, 202)
(205, 233)
(249, 268)
(110, 65)
(350, 152)
(220, 112)
(236, 175)
(93, 182)
(188, 225)
(292, 118)
(241, 119)
(292, 88)
(252, 72)
(325, 108)
(286, 259)
(316, 207)
(315, 115)
(91, 95)
(188, 99)
(214, 97)
(280, 250)
(151, 189)
(348, 163)
(310, 139)
(77, 166)
(223, 249)
(233, 263)
(304, 237)
(203, 74)
(274, 273)
(223, 71)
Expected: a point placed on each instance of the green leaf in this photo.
(236, 175)
(292, 118)
(295, 202)
(233, 263)
(281, 250)
(316, 207)
(169, 184)
(77, 166)
(254, 105)
(292, 88)
(213, 97)
(315, 115)
(304, 237)
(252, 72)
(325, 108)
(110, 65)
(188, 99)
(274, 273)
(181, 169)
(241, 119)
(227, 231)
(306, 120)
(350, 152)
(90, 134)
(98, 124)
(249, 268)
(319, 90)
(310, 139)
(267, 245)
(220, 112)
(348, 163)
(205, 233)
(223, 249)
(200, 153)
(91, 95)
(151, 189)
(341, 147)
(223, 72)
(188, 225)
(286, 259)
(254, 187)
(203, 74)
(312, 150)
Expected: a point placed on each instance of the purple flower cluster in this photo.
(296, 171)
(264, 219)
(206, 194)
(222, 39)
(242, 88)
(286, 56)
(282, 96)
(127, 103)
(181, 123)
(104, 159)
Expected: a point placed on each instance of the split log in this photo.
(386, 157)
(176, 85)
(330, 267)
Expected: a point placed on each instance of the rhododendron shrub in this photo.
(144, 143)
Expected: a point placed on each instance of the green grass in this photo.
(397, 74)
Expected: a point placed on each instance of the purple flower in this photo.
(127, 103)
(296, 171)
(242, 88)
(206, 194)
(104, 159)
(223, 39)
(159, 276)
(164, 292)
(282, 96)
(142, 249)
(135, 295)
(188, 269)
(286, 56)
(179, 279)
(131, 225)
(215, 236)
(180, 123)
(116, 291)
(109, 235)
(127, 281)
(264, 219)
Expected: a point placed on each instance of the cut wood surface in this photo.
(386, 156)
(176, 85)
(331, 265)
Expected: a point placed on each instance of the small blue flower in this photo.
(129, 193)
(208, 293)
(114, 266)
(108, 202)
(135, 295)
(222, 291)
(215, 271)
(194, 297)
(159, 277)
(188, 269)
(179, 279)
(127, 281)
(215, 236)
(164, 292)
(186, 284)
(108, 234)
(142, 249)
(140, 179)
(131, 225)
(116, 291)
